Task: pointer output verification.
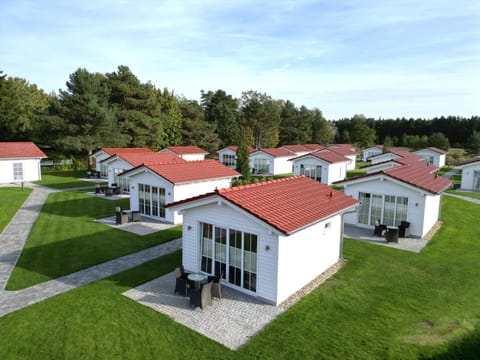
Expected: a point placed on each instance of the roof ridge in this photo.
(259, 184)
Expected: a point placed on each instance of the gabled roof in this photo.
(235, 148)
(325, 155)
(288, 204)
(379, 147)
(468, 163)
(276, 152)
(343, 149)
(296, 148)
(136, 159)
(418, 176)
(434, 149)
(189, 171)
(20, 150)
(186, 150)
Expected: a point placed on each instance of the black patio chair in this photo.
(380, 229)
(201, 297)
(182, 285)
(216, 285)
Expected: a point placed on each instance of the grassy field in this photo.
(464, 193)
(383, 304)
(12, 200)
(65, 238)
(64, 179)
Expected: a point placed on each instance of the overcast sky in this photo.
(380, 58)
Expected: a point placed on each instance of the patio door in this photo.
(231, 252)
(151, 200)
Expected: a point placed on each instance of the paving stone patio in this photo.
(231, 321)
(144, 227)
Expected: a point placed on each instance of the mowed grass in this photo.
(464, 193)
(65, 238)
(383, 304)
(12, 199)
(64, 179)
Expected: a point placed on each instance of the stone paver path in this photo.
(13, 239)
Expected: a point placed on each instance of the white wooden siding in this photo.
(438, 159)
(416, 202)
(306, 254)
(367, 153)
(353, 161)
(226, 217)
(467, 176)
(383, 157)
(330, 172)
(31, 170)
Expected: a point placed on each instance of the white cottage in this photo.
(188, 153)
(228, 155)
(154, 185)
(20, 161)
(348, 151)
(271, 161)
(105, 153)
(433, 156)
(470, 175)
(323, 166)
(267, 239)
(118, 164)
(371, 151)
(405, 193)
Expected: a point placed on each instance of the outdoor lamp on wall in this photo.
(267, 247)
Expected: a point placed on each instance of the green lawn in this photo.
(383, 304)
(12, 200)
(464, 193)
(65, 238)
(64, 179)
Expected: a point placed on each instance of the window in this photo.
(261, 166)
(312, 171)
(232, 252)
(103, 171)
(229, 160)
(151, 200)
(17, 171)
(389, 210)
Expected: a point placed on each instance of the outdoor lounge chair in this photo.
(216, 285)
(201, 297)
(181, 283)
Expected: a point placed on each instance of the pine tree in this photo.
(243, 161)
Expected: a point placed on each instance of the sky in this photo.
(383, 59)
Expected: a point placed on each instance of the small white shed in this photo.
(267, 239)
(188, 153)
(323, 166)
(404, 193)
(152, 186)
(470, 175)
(20, 161)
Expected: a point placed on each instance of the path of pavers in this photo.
(13, 238)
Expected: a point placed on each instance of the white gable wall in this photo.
(416, 203)
(192, 157)
(312, 161)
(381, 166)
(31, 170)
(226, 217)
(468, 179)
(113, 164)
(306, 254)
(438, 159)
(224, 152)
(382, 158)
(99, 157)
(373, 151)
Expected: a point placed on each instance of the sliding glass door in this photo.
(389, 210)
(151, 200)
(235, 254)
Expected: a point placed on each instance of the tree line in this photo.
(118, 110)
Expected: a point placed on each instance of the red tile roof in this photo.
(437, 150)
(326, 155)
(113, 151)
(136, 159)
(184, 150)
(20, 150)
(314, 146)
(288, 204)
(419, 176)
(188, 171)
(276, 152)
(343, 149)
(296, 148)
(234, 148)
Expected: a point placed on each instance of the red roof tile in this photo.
(437, 150)
(296, 148)
(17, 150)
(343, 149)
(188, 171)
(113, 151)
(184, 150)
(276, 152)
(136, 159)
(326, 155)
(288, 204)
(314, 146)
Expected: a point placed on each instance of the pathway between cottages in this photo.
(13, 238)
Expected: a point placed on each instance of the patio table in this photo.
(197, 279)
